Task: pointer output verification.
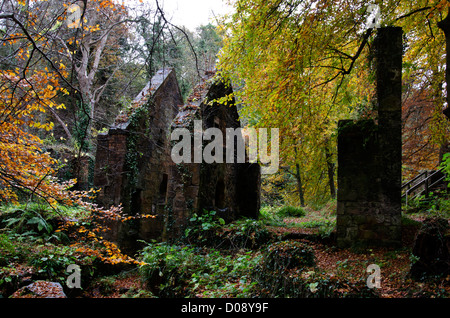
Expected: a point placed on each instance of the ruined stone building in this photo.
(134, 166)
(370, 158)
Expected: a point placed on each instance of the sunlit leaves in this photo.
(303, 65)
(23, 163)
(291, 58)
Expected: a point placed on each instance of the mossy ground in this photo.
(228, 270)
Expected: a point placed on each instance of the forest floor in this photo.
(352, 264)
(349, 264)
(28, 257)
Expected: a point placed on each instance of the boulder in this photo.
(40, 289)
(432, 247)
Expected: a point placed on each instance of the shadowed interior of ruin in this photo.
(134, 166)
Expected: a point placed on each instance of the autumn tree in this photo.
(208, 45)
(32, 84)
(425, 73)
(92, 48)
(91, 54)
(101, 52)
(304, 65)
(287, 59)
(163, 46)
(26, 93)
(420, 152)
(164, 43)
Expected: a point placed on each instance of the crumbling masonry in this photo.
(134, 167)
(369, 158)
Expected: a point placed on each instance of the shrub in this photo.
(203, 228)
(16, 247)
(288, 270)
(168, 268)
(105, 284)
(280, 259)
(287, 255)
(7, 249)
(269, 214)
(30, 219)
(325, 227)
(6, 246)
(246, 233)
(432, 249)
(182, 271)
(291, 211)
(437, 205)
(225, 275)
(445, 165)
(407, 221)
(210, 230)
(51, 262)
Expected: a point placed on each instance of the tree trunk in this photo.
(330, 168)
(444, 25)
(298, 177)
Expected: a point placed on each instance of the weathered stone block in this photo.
(369, 158)
(134, 165)
(432, 247)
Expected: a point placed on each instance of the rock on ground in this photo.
(40, 289)
(432, 247)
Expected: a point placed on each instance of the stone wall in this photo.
(134, 166)
(369, 158)
(230, 189)
(363, 215)
(133, 160)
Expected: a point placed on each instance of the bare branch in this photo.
(412, 12)
(184, 33)
(35, 46)
(353, 59)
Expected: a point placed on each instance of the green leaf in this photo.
(11, 221)
(34, 220)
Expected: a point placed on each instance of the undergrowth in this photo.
(184, 271)
(40, 242)
(213, 259)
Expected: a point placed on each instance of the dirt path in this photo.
(352, 265)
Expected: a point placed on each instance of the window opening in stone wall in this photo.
(160, 140)
(163, 189)
(216, 122)
(136, 201)
(220, 195)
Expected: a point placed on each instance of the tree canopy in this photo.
(304, 65)
(300, 66)
(67, 69)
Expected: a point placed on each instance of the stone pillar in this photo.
(444, 25)
(388, 53)
(359, 214)
(370, 158)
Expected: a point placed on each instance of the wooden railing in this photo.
(427, 179)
